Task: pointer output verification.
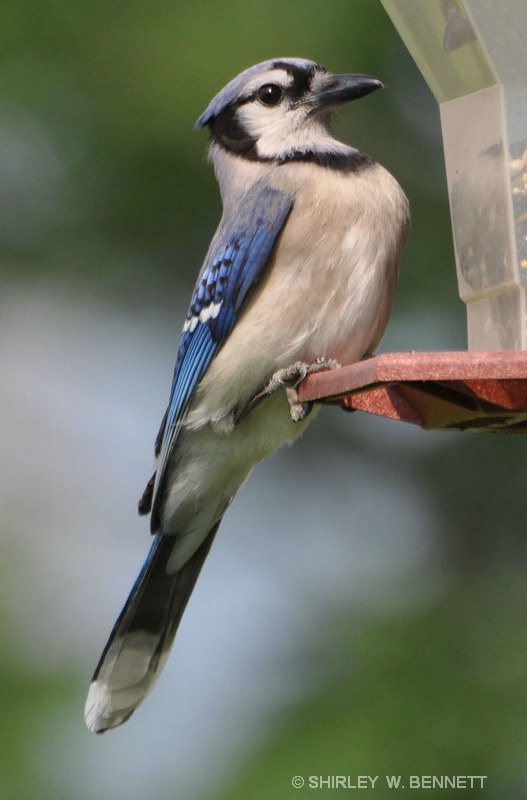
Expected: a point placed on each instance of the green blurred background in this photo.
(364, 609)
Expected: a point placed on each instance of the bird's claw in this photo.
(289, 379)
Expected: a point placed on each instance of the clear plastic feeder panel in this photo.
(473, 55)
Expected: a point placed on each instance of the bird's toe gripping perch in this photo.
(289, 379)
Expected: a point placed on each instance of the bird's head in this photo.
(281, 107)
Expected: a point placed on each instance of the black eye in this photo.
(270, 94)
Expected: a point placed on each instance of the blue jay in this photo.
(300, 276)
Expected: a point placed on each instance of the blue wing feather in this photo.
(236, 260)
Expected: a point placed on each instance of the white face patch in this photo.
(281, 130)
(287, 126)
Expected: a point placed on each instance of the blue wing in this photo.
(236, 260)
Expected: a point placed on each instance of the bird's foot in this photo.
(289, 379)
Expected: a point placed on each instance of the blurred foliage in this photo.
(98, 103)
(32, 704)
(441, 688)
(104, 186)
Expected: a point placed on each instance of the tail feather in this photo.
(141, 638)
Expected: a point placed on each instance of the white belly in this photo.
(327, 293)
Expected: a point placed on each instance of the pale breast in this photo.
(328, 290)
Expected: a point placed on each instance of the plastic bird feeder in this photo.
(473, 55)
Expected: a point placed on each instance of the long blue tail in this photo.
(141, 638)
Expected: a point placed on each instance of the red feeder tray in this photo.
(481, 391)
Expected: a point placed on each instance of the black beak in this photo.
(344, 89)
